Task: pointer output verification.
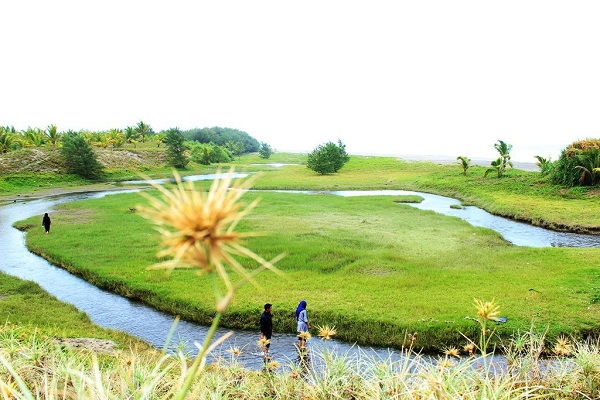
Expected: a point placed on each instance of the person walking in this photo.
(303, 324)
(46, 223)
(266, 327)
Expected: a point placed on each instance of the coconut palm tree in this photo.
(545, 164)
(465, 163)
(34, 137)
(503, 161)
(131, 135)
(52, 134)
(589, 164)
(6, 141)
(143, 129)
(117, 137)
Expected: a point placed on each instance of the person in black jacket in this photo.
(266, 327)
(46, 223)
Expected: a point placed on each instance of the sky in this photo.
(437, 77)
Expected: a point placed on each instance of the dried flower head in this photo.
(563, 347)
(304, 335)
(452, 352)
(469, 348)
(271, 366)
(197, 227)
(487, 310)
(263, 342)
(326, 332)
(235, 351)
(444, 364)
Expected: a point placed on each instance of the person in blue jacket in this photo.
(303, 324)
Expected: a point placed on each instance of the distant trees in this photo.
(328, 158)
(221, 136)
(210, 153)
(265, 151)
(80, 157)
(176, 148)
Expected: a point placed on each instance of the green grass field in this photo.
(372, 267)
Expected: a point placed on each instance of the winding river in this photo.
(115, 312)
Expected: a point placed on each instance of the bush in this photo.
(80, 157)
(328, 158)
(176, 148)
(265, 151)
(577, 163)
(207, 154)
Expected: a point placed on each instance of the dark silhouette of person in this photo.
(266, 327)
(46, 223)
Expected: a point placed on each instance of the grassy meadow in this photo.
(375, 268)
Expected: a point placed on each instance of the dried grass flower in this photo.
(304, 336)
(469, 348)
(326, 332)
(263, 342)
(487, 310)
(198, 227)
(452, 352)
(563, 347)
(235, 351)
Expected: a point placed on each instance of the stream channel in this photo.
(115, 312)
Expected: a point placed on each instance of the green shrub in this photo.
(578, 164)
(328, 158)
(80, 157)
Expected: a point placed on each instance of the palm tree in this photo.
(589, 164)
(545, 164)
(465, 163)
(52, 134)
(498, 166)
(6, 141)
(143, 129)
(34, 137)
(504, 160)
(117, 137)
(131, 134)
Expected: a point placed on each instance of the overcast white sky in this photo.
(386, 77)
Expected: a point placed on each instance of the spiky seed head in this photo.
(469, 348)
(304, 335)
(452, 352)
(197, 227)
(563, 347)
(326, 332)
(263, 342)
(235, 351)
(487, 309)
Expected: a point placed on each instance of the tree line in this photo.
(204, 146)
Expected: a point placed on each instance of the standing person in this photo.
(266, 327)
(303, 324)
(46, 223)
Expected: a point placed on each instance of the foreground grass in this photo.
(33, 367)
(372, 267)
